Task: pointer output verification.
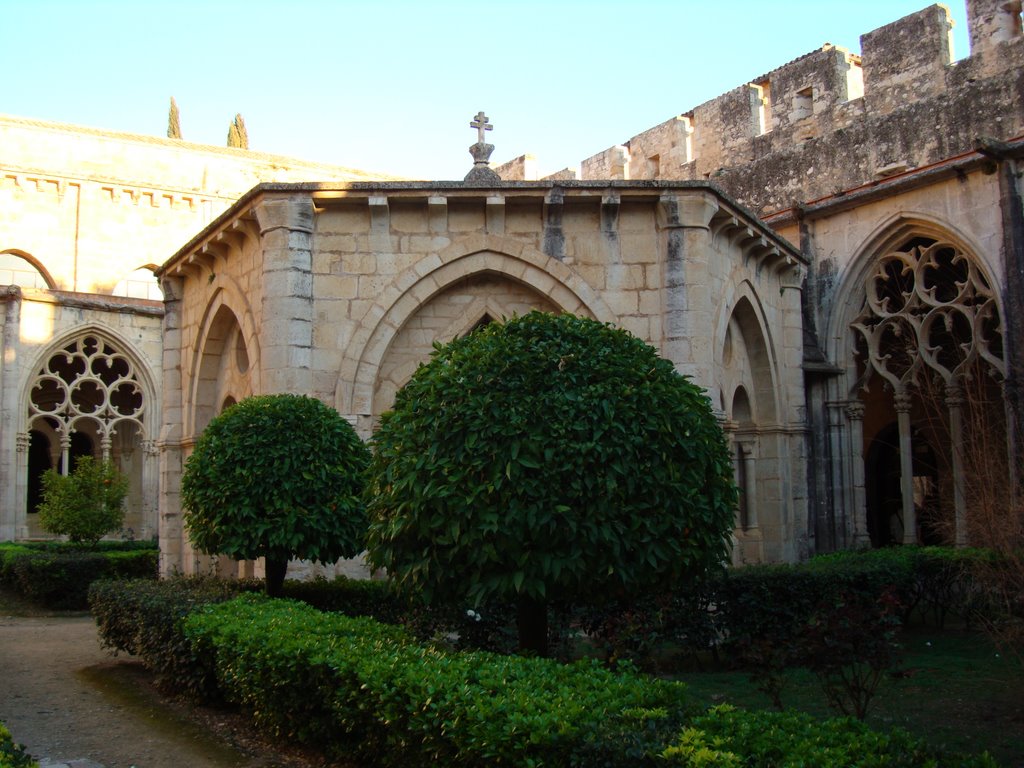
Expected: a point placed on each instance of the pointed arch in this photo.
(916, 328)
(475, 255)
(225, 361)
(91, 393)
(889, 236)
(745, 353)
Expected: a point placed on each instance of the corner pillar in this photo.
(286, 231)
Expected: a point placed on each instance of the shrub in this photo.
(85, 505)
(13, 755)
(850, 643)
(145, 619)
(548, 458)
(355, 685)
(726, 736)
(277, 476)
(58, 575)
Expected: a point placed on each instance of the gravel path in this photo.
(71, 703)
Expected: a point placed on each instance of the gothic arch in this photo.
(917, 319)
(225, 363)
(888, 236)
(475, 255)
(745, 353)
(32, 262)
(90, 393)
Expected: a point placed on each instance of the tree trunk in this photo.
(276, 569)
(532, 622)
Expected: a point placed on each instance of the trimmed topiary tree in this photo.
(85, 505)
(277, 476)
(548, 457)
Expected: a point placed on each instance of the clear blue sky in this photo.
(392, 85)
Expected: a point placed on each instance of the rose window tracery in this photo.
(87, 386)
(928, 310)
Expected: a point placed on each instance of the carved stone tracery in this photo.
(87, 384)
(928, 309)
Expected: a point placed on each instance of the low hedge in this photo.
(145, 618)
(726, 737)
(13, 755)
(357, 687)
(58, 574)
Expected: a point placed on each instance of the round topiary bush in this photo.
(548, 457)
(277, 476)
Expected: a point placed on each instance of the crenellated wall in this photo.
(832, 120)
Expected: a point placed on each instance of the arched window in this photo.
(929, 353)
(84, 393)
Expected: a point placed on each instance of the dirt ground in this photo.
(67, 699)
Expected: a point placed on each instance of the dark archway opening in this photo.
(38, 462)
(884, 497)
(81, 445)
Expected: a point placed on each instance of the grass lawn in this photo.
(952, 689)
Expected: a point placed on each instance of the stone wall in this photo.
(832, 121)
(340, 291)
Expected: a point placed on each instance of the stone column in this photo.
(859, 506)
(902, 401)
(749, 453)
(955, 403)
(684, 222)
(150, 488)
(169, 443)
(286, 327)
(21, 528)
(10, 417)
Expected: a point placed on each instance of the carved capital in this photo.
(902, 401)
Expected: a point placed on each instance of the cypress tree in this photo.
(238, 136)
(173, 121)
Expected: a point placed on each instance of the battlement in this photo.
(833, 120)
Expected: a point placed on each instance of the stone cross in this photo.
(481, 123)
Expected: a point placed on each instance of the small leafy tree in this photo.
(277, 476)
(85, 505)
(548, 457)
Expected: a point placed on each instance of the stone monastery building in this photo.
(834, 251)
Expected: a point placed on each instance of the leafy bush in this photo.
(145, 618)
(730, 737)
(850, 643)
(352, 685)
(13, 755)
(85, 505)
(548, 458)
(58, 575)
(277, 476)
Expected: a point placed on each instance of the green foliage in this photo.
(238, 136)
(726, 736)
(850, 642)
(85, 505)
(279, 476)
(58, 575)
(145, 618)
(173, 121)
(13, 755)
(357, 687)
(545, 457)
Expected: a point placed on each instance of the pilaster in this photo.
(286, 231)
